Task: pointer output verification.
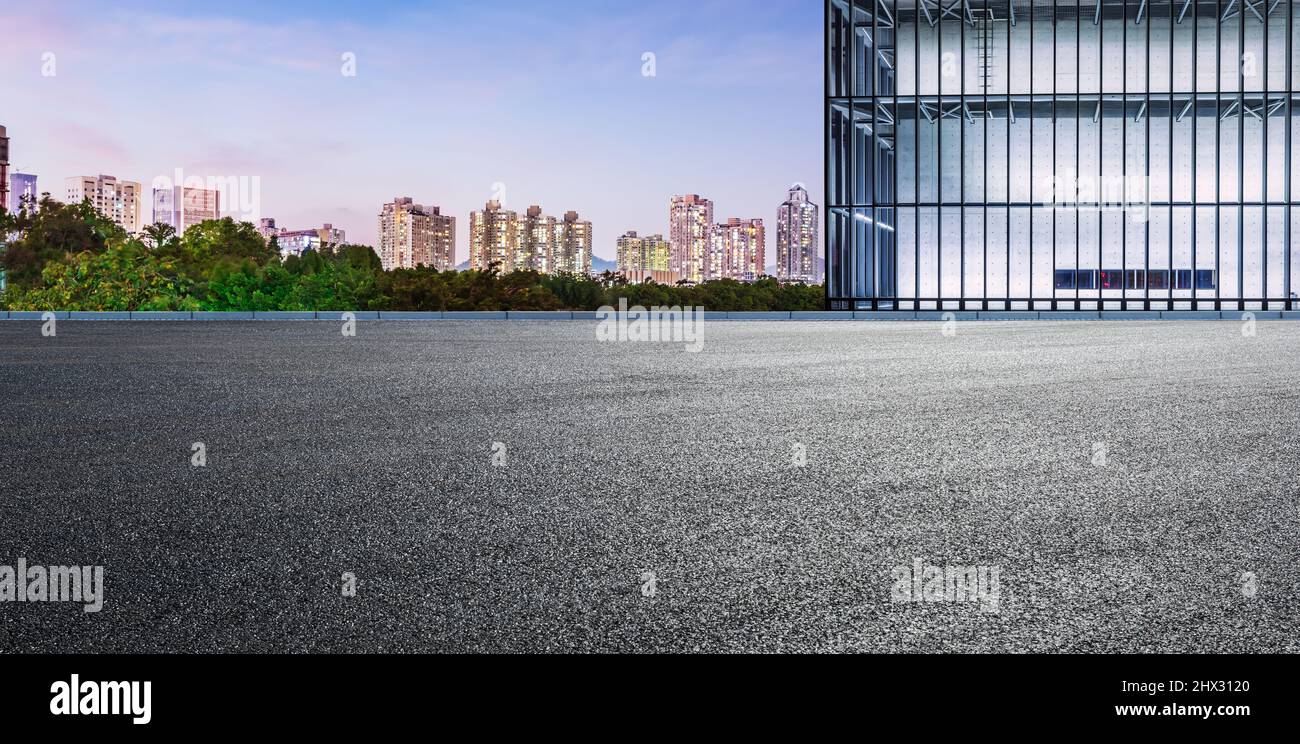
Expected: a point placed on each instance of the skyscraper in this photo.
(537, 245)
(573, 245)
(118, 201)
(23, 189)
(493, 238)
(183, 207)
(1062, 155)
(4, 168)
(410, 235)
(642, 258)
(737, 250)
(690, 229)
(796, 238)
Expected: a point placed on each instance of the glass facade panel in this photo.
(1062, 154)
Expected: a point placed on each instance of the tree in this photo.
(159, 236)
(55, 231)
(125, 276)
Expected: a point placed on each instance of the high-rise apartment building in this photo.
(493, 238)
(737, 250)
(411, 235)
(644, 258)
(690, 229)
(118, 201)
(797, 250)
(183, 207)
(538, 241)
(1062, 154)
(573, 245)
(4, 168)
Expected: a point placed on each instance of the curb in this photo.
(284, 315)
(474, 315)
(98, 315)
(750, 315)
(1070, 315)
(1009, 314)
(385, 315)
(820, 315)
(1190, 315)
(942, 315)
(709, 315)
(218, 315)
(37, 314)
(161, 315)
(1130, 315)
(539, 315)
(884, 314)
(337, 315)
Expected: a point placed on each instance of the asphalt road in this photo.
(373, 455)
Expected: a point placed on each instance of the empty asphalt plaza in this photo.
(520, 486)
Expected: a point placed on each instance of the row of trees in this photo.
(68, 257)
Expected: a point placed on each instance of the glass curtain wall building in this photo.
(1062, 154)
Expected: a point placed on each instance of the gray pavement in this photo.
(372, 455)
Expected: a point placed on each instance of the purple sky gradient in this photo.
(449, 99)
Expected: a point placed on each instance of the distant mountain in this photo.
(463, 265)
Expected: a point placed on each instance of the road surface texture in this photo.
(1134, 484)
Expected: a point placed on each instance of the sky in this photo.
(450, 103)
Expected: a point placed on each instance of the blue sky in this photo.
(449, 100)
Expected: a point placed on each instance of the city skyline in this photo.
(260, 92)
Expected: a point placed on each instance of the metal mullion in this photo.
(938, 159)
(1170, 161)
(853, 156)
(1123, 160)
(1055, 66)
(984, 127)
(961, 156)
(1101, 150)
(1263, 172)
(1146, 253)
(894, 184)
(1286, 253)
(916, 161)
(1196, 53)
(826, 142)
(1241, 161)
(1218, 159)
